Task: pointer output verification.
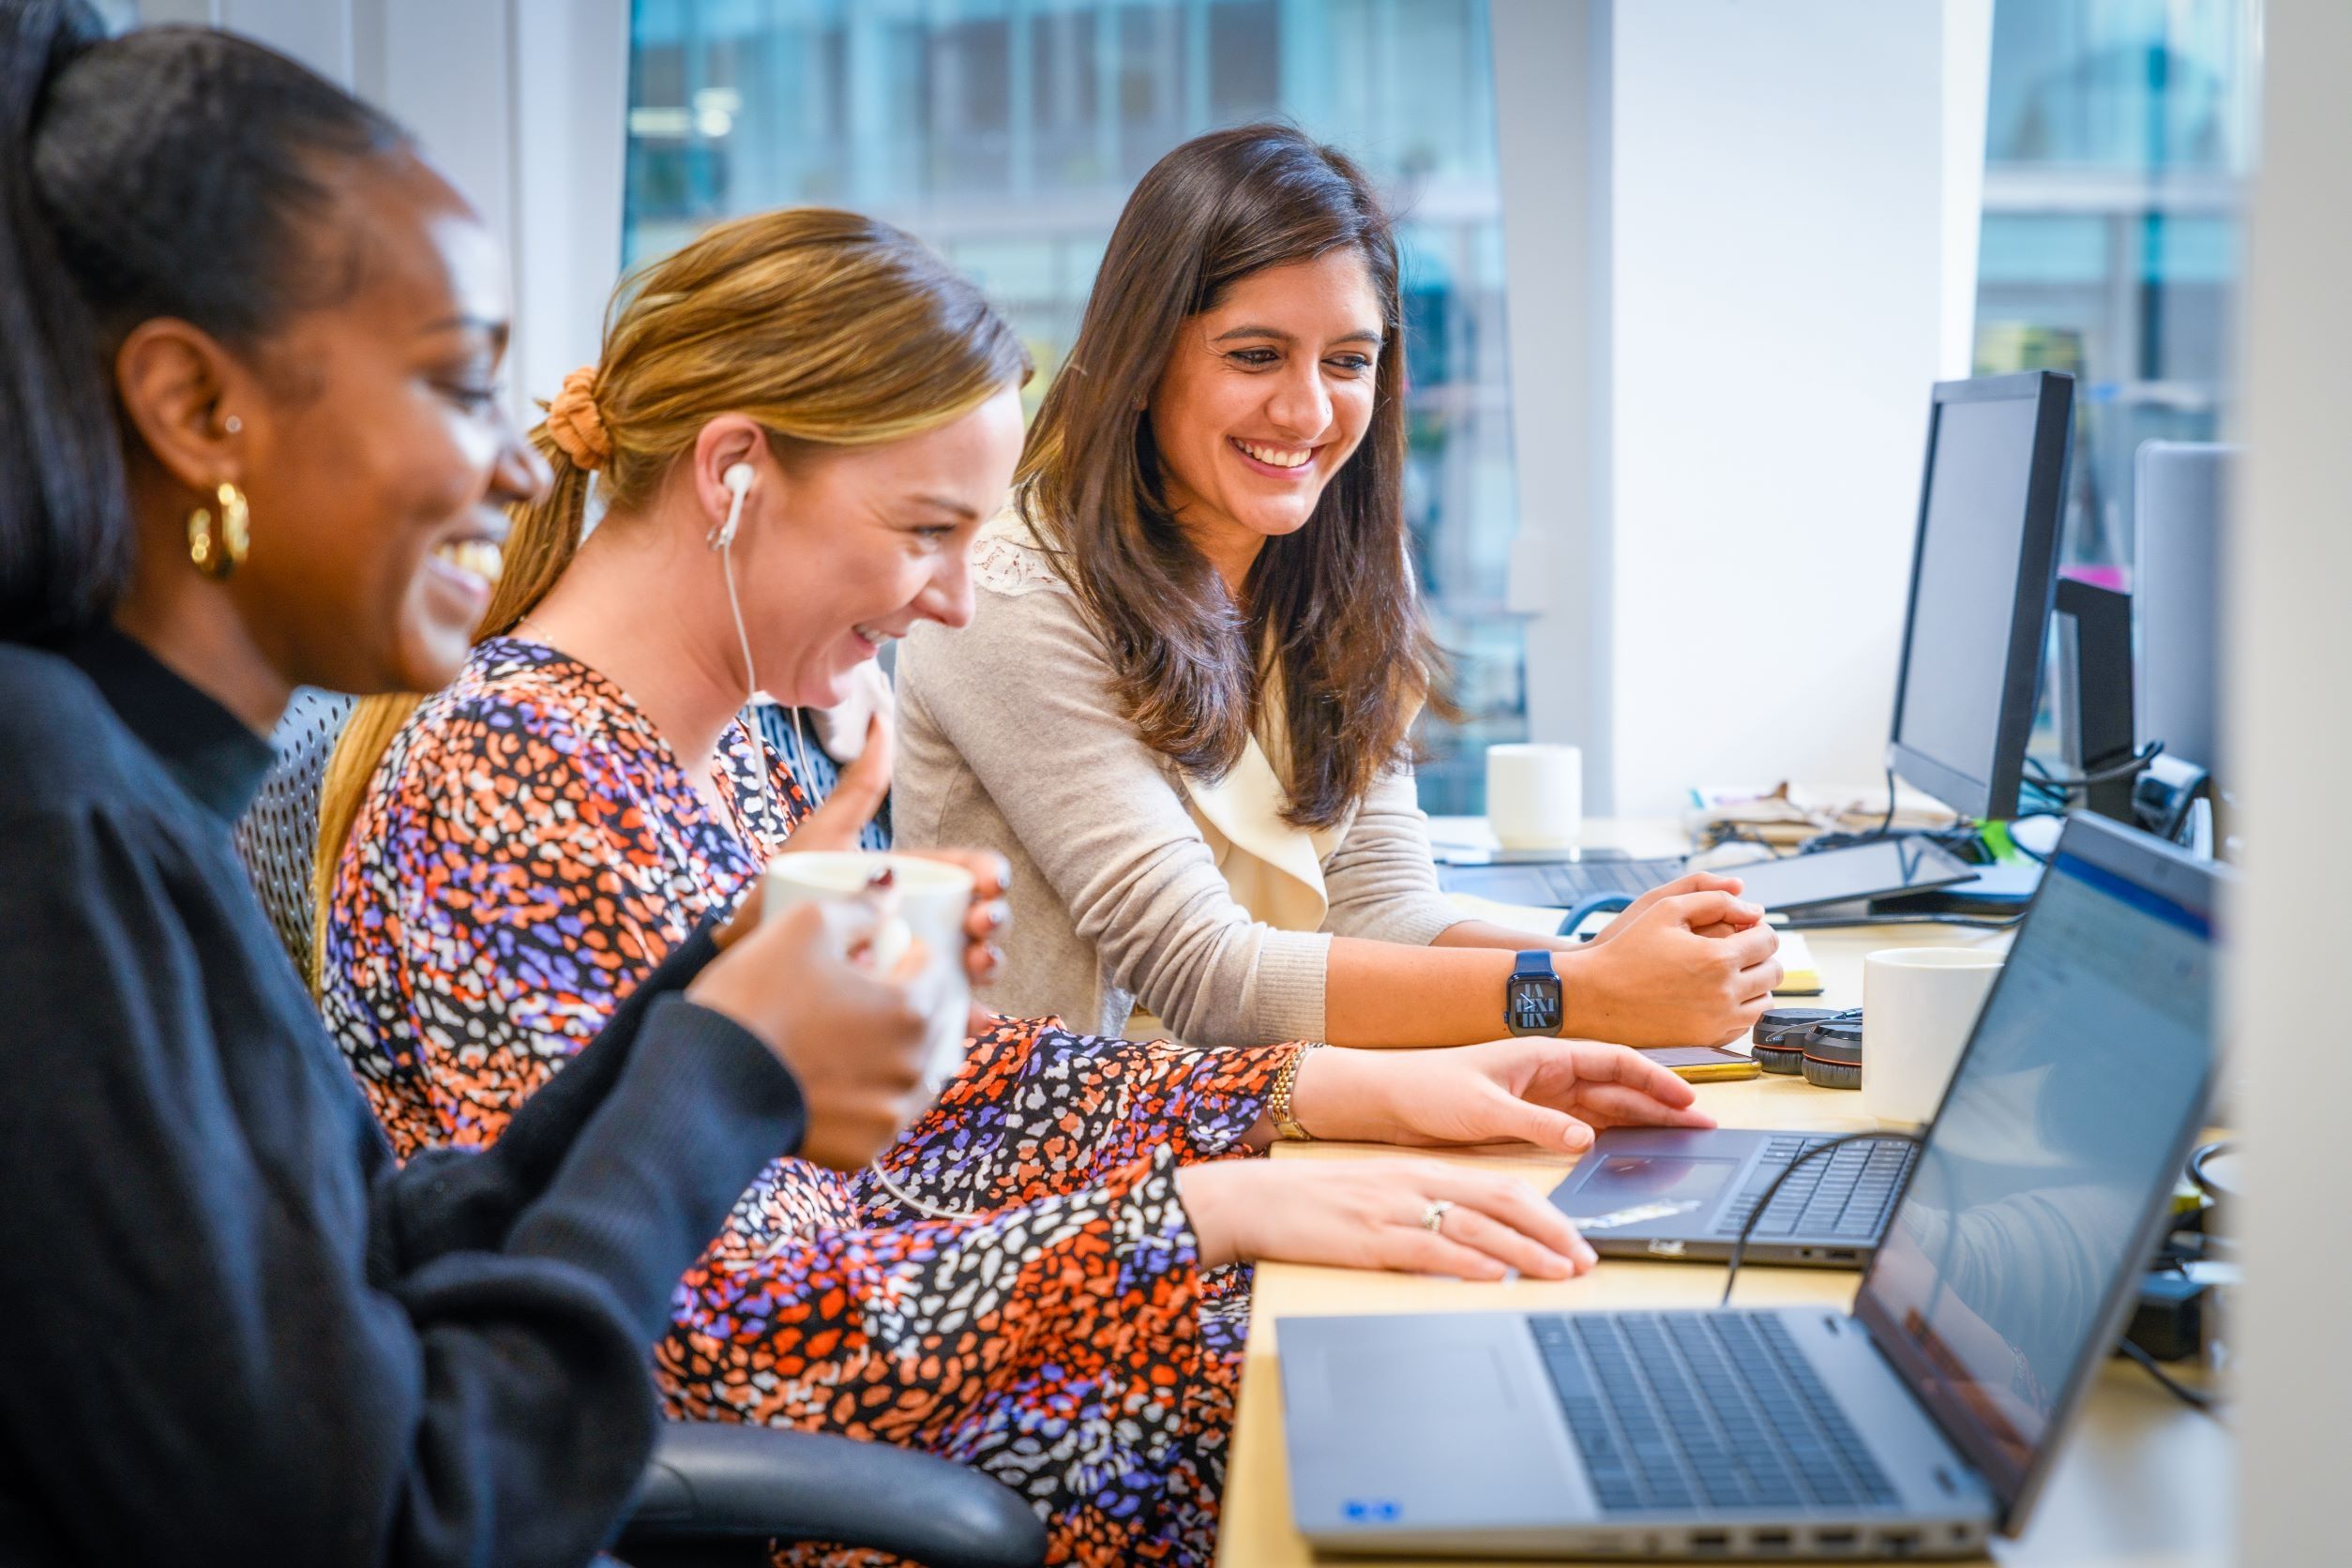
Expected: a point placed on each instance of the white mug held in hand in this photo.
(1919, 1007)
(931, 900)
(1536, 795)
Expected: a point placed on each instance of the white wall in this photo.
(570, 81)
(521, 102)
(1741, 242)
(1552, 66)
(2291, 569)
(1779, 271)
(1967, 90)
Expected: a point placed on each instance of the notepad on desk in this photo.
(1800, 974)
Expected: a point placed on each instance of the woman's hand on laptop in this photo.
(1551, 1092)
(1377, 1214)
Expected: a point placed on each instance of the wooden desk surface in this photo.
(2144, 1480)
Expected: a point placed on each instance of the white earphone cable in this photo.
(724, 541)
(920, 1207)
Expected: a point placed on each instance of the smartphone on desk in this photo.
(1702, 1063)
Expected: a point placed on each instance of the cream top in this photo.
(1134, 883)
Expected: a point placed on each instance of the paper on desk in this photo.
(1800, 977)
(1791, 813)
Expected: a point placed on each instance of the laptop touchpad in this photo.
(1436, 1382)
(1623, 1179)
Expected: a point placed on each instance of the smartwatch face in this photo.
(1535, 1005)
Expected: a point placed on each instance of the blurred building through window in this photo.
(1008, 134)
(2119, 140)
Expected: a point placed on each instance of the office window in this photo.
(2119, 139)
(1009, 132)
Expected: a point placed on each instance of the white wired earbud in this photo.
(737, 480)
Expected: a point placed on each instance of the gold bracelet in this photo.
(1278, 1098)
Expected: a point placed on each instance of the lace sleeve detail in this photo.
(1004, 560)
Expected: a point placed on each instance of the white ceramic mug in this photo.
(932, 902)
(1919, 1007)
(1536, 795)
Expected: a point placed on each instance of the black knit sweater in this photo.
(231, 1328)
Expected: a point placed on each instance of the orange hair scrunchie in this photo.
(574, 424)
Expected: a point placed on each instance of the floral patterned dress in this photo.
(531, 849)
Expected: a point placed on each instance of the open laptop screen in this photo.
(2001, 1270)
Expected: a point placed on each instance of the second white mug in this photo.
(1919, 1007)
(1536, 795)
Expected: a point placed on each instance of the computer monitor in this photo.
(2182, 489)
(1982, 575)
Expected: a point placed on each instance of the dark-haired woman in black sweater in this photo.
(250, 439)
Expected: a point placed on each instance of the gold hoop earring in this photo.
(216, 557)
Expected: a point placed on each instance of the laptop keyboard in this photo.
(1562, 884)
(1573, 882)
(1703, 1411)
(1844, 1196)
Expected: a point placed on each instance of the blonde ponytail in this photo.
(541, 540)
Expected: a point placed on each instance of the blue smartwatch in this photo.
(1532, 998)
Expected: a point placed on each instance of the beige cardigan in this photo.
(1131, 884)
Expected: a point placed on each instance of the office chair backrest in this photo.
(278, 838)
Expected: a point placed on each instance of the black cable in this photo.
(2125, 769)
(2196, 1399)
(2020, 845)
(2197, 1173)
(2044, 797)
(1747, 1227)
(1713, 835)
(1836, 841)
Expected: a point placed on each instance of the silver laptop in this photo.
(1882, 868)
(1686, 1193)
(1917, 1426)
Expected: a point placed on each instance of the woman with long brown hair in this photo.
(1183, 710)
(1028, 1281)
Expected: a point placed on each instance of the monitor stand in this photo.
(2094, 699)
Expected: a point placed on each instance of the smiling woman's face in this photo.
(379, 471)
(1265, 395)
(871, 541)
